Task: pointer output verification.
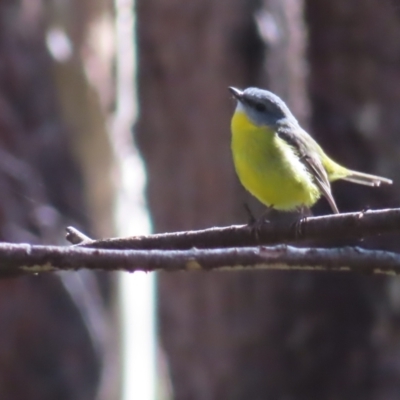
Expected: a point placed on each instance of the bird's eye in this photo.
(260, 107)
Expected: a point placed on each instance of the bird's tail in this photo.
(366, 179)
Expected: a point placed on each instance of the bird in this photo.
(277, 161)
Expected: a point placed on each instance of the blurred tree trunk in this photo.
(49, 345)
(254, 335)
(355, 93)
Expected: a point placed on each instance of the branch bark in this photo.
(329, 228)
(23, 259)
(234, 247)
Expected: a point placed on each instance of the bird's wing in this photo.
(307, 149)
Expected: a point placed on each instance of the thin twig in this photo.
(23, 259)
(76, 237)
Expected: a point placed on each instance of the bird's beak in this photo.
(236, 93)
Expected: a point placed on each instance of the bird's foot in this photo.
(256, 224)
(251, 219)
(302, 213)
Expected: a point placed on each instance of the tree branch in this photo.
(234, 247)
(329, 228)
(226, 249)
(23, 259)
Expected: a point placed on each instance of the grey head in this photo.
(262, 107)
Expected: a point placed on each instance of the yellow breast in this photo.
(269, 168)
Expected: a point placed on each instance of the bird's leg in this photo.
(250, 215)
(252, 220)
(256, 224)
(268, 211)
(304, 212)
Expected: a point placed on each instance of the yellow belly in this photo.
(268, 168)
